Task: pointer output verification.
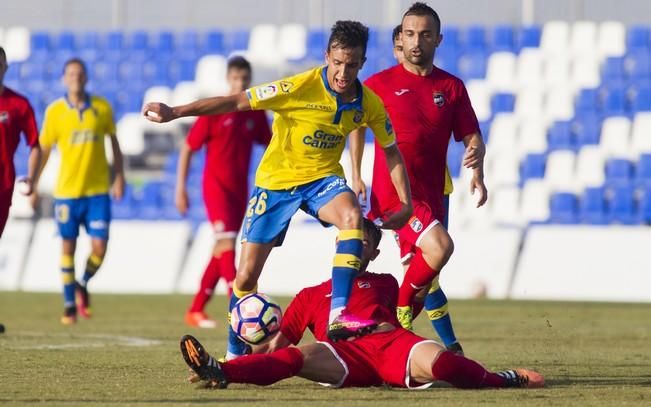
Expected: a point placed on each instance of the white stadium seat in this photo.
(534, 201)
(503, 134)
(158, 94)
(480, 97)
(500, 72)
(186, 92)
(50, 174)
(529, 103)
(555, 37)
(473, 217)
(590, 164)
(557, 70)
(583, 39)
(559, 104)
(505, 205)
(615, 137)
(585, 73)
(560, 170)
(211, 75)
(263, 45)
(502, 169)
(17, 44)
(530, 68)
(611, 40)
(641, 134)
(532, 138)
(130, 133)
(292, 41)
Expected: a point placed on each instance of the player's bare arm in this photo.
(160, 113)
(117, 189)
(33, 164)
(45, 155)
(181, 193)
(474, 158)
(356, 140)
(400, 181)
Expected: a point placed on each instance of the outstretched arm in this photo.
(400, 181)
(161, 113)
(474, 159)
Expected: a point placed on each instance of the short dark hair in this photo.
(3, 53)
(238, 62)
(348, 34)
(396, 33)
(422, 9)
(374, 231)
(75, 60)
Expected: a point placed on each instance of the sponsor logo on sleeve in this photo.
(357, 118)
(286, 86)
(266, 92)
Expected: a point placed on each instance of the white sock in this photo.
(334, 313)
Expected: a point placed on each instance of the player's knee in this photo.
(351, 218)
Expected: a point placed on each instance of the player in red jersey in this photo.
(391, 355)
(229, 140)
(16, 116)
(426, 106)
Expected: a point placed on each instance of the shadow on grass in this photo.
(643, 380)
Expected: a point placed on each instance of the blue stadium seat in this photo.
(640, 65)
(165, 43)
(645, 205)
(560, 136)
(150, 205)
(89, 46)
(641, 100)
(564, 208)
(643, 170)
(502, 102)
(239, 40)
(214, 43)
(374, 42)
(484, 128)
(472, 65)
(530, 36)
(619, 172)
(615, 102)
(115, 41)
(475, 38)
(126, 207)
(587, 101)
(66, 41)
(622, 205)
(613, 72)
(139, 41)
(592, 208)
(32, 70)
(638, 37)
(532, 167)
(156, 71)
(189, 45)
(587, 129)
(182, 69)
(503, 38)
(455, 158)
(317, 40)
(131, 71)
(451, 37)
(448, 60)
(40, 46)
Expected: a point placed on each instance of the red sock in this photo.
(227, 267)
(464, 373)
(264, 369)
(418, 275)
(208, 283)
(416, 308)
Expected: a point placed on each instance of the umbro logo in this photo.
(401, 92)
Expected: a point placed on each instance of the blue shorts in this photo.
(94, 212)
(269, 211)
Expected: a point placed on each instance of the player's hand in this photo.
(158, 112)
(398, 219)
(359, 188)
(117, 189)
(473, 157)
(25, 186)
(181, 201)
(34, 199)
(477, 184)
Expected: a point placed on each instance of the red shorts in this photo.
(225, 210)
(377, 359)
(422, 220)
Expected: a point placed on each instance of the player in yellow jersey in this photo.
(314, 111)
(77, 124)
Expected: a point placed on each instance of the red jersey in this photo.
(373, 296)
(425, 112)
(16, 116)
(229, 139)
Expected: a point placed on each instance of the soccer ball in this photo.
(255, 318)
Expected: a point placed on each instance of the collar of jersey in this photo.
(84, 107)
(342, 107)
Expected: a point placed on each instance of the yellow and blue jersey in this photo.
(79, 135)
(310, 127)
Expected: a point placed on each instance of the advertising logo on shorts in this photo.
(266, 92)
(439, 100)
(415, 224)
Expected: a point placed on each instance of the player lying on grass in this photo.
(314, 112)
(391, 355)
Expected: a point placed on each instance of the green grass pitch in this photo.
(590, 353)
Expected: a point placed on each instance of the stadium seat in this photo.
(557, 70)
(643, 170)
(40, 46)
(585, 73)
(533, 167)
(505, 206)
(502, 169)
(115, 41)
(66, 41)
(479, 92)
(638, 38)
(641, 101)
(590, 167)
(560, 136)
(560, 171)
(214, 42)
(17, 44)
(615, 102)
(500, 72)
(618, 172)
(475, 38)
(503, 133)
(503, 38)
(645, 206)
(613, 71)
(583, 38)
(452, 37)
(501, 103)
(263, 45)
(622, 208)
(641, 134)
(237, 40)
(529, 70)
(532, 137)
(292, 41)
(448, 60)
(592, 208)
(473, 65)
(189, 43)
(530, 37)
(534, 207)
(615, 137)
(455, 158)
(529, 103)
(587, 129)
(587, 101)
(158, 94)
(150, 205)
(211, 74)
(130, 133)
(611, 39)
(125, 207)
(639, 65)
(156, 71)
(555, 38)
(317, 40)
(563, 208)
(165, 42)
(559, 104)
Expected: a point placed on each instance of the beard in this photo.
(422, 59)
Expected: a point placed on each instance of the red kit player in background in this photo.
(16, 116)
(229, 140)
(426, 106)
